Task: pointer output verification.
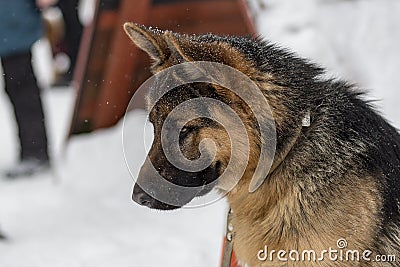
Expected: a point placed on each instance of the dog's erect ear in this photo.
(149, 40)
(177, 45)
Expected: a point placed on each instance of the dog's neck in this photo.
(288, 143)
(273, 203)
(281, 155)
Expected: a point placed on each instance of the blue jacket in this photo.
(20, 26)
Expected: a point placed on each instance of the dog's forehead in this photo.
(161, 84)
(178, 107)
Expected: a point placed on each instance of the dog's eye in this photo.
(186, 130)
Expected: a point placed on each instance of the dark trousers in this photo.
(23, 91)
(73, 29)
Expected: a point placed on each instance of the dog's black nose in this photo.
(141, 197)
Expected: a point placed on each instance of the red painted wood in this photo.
(121, 65)
(110, 68)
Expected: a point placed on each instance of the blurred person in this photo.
(72, 38)
(20, 27)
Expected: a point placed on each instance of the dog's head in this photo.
(161, 184)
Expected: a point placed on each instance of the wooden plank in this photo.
(220, 17)
(90, 67)
(121, 63)
(246, 16)
(80, 72)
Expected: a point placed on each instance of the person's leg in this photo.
(24, 93)
(73, 29)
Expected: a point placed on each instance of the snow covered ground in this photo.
(81, 213)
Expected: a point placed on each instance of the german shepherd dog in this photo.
(338, 178)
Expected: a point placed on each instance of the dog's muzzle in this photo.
(151, 190)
